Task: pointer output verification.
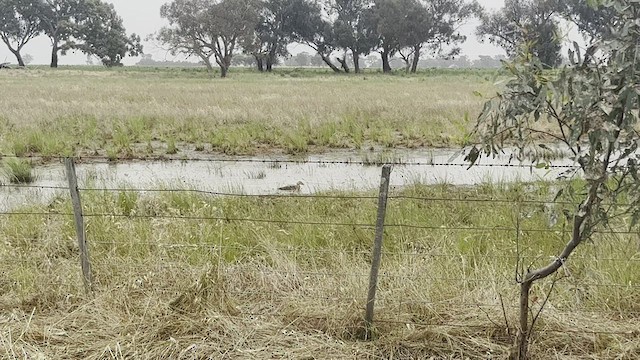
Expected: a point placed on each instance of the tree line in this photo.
(264, 29)
(90, 26)
(353, 29)
(340, 32)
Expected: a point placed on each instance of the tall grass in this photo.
(90, 111)
(178, 274)
(19, 171)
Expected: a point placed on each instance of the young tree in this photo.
(27, 58)
(592, 107)
(19, 23)
(519, 22)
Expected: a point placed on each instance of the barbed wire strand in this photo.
(212, 245)
(490, 201)
(163, 158)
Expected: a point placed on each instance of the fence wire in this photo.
(165, 158)
(391, 279)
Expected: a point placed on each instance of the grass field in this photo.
(137, 112)
(181, 275)
(194, 288)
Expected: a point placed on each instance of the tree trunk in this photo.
(407, 64)
(16, 53)
(343, 63)
(356, 62)
(522, 342)
(272, 58)
(260, 63)
(207, 63)
(328, 62)
(416, 58)
(386, 68)
(578, 235)
(223, 71)
(54, 54)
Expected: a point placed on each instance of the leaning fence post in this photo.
(377, 250)
(79, 220)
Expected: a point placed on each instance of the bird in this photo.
(295, 187)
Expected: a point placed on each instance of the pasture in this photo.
(185, 274)
(132, 113)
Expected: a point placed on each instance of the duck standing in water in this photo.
(295, 187)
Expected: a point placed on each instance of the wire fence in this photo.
(431, 239)
(287, 160)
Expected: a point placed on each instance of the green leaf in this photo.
(558, 194)
(593, 3)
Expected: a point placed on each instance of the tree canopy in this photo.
(19, 23)
(342, 32)
(90, 26)
(99, 31)
(530, 23)
(208, 29)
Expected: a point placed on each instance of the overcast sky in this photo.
(143, 18)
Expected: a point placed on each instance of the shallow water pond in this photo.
(345, 170)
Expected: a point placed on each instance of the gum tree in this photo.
(99, 31)
(57, 18)
(354, 30)
(590, 106)
(592, 22)
(208, 28)
(434, 25)
(19, 23)
(274, 31)
(525, 21)
(391, 26)
(186, 32)
(313, 30)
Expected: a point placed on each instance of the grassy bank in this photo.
(141, 111)
(183, 275)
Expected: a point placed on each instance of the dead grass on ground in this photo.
(179, 289)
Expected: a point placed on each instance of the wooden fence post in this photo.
(79, 220)
(377, 250)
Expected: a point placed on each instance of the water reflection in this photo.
(346, 170)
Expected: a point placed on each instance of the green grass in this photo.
(89, 110)
(19, 171)
(184, 275)
(183, 266)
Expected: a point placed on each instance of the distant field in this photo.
(143, 111)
